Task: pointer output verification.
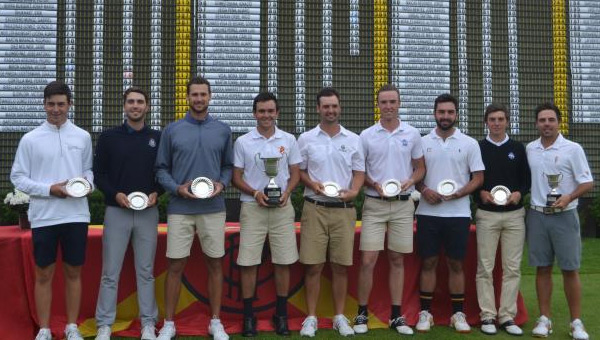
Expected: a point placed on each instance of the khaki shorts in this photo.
(209, 227)
(326, 230)
(256, 222)
(395, 217)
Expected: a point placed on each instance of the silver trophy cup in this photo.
(553, 182)
(271, 169)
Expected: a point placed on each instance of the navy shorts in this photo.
(452, 233)
(72, 238)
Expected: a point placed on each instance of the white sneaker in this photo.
(309, 326)
(342, 325)
(458, 321)
(72, 332)
(361, 324)
(216, 329)
(44, 334)
(103, 333)
(543, 327)
(578, 331)
(400, 325)
(425, 322)
(488, 326)
(167, 332)
(148, 332)
(511, 328)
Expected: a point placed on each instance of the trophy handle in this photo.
(560, 176)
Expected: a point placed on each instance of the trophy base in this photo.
(551, 199)
(273, 196)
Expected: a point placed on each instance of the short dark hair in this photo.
(264, 97)
(388, 87)
(327, 92)
(445, 98)
(135, 89)
(57, 87)
(495, 107)
(547, 106)
(198, 80)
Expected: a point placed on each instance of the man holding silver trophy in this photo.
(500, 219)
(124, 172)
(454, 171)
(560, 174)
(194, 164)
(333, 171)
(394, 163)
(266, 170)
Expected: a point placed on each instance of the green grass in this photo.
(590, 279)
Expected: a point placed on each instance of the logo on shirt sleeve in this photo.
(511, 155)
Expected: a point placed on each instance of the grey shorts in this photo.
(555, 235)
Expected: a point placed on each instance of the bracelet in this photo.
(255, 194)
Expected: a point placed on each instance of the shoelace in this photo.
(43, 335)
(460, 317)
(167, 329)
(73, 334)
(104, 331)
(312, 322)
(423, 317)
(399, 321)
(343, 322)
(361, 319)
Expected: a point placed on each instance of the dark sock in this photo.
(363, 310)
(281, 307)
(457, 302)
(396, 311)
(425, 298)
(248, 312)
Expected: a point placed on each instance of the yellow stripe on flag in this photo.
(183, 20)
(325, 308)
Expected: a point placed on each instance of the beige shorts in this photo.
(209, 227)
(327, 230)
(394, 217)
(256, 223)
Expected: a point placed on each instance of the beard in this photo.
(136, 119)
(445, 127)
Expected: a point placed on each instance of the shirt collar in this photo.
(434, 135)
(131, 130)
(56, 128)
(399, 128)
(256, 135)
(557, 143)
(342, 132)
(188, 117)
(497, 143)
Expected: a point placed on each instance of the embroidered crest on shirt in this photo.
(152, 143)
(282, 149)
(343, 148)
(511, 155)
(404, 142)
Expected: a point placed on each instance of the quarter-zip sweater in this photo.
(190, 148)
(124, 162)
(48, 155)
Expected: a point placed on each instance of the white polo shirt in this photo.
(246, 155)
(565, 157)
(455, 158)
(330, 158)
(389, 155)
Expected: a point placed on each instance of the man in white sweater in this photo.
(47, 157)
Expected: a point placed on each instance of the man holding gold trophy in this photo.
(560, 174)
(266, 170)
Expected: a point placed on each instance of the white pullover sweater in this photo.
(49, 155)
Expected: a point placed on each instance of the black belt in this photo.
(330, 204)
(391, 198)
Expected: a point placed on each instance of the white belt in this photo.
(548, 210)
